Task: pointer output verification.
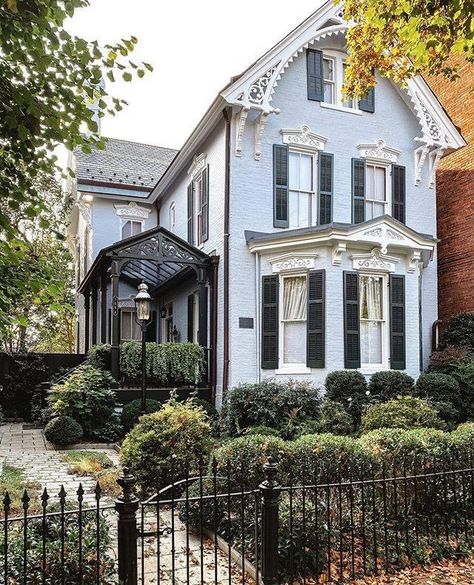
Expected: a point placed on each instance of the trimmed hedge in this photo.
(63, 431)
(404, 412)
(389, 384)
(443, 392)
(349, 388)
(279, 405)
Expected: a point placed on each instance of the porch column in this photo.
(87, 320)
(94, 315)
(115, 353)
(202, 295)
(103, 309)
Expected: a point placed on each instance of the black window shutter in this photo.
(367, 103)
(397, 322)
(151, 329)
(358, 190)
(190, 318)
(191, 213)
(315, 334)
(205, 204)
(314, 73)
(270, 322)
(351, 321)
(398, 192)
(326, 186)
(280, 186)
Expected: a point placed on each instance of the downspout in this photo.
(225, 371)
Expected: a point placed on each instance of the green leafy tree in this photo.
(403, 38)
(51, 93)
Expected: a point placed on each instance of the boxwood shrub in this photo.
(349, 388)
(443, 392)
(389, 384)
(164, 444)
(131, 412)
(404, 412)
(63, 431)
(279, 405)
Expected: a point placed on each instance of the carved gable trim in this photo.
(292, 262)
(379, 152)
(132, 211)
(303, 138)
(198, 165)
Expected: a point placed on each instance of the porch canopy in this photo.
(157, 257)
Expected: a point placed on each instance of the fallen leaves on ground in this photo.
(459, 572)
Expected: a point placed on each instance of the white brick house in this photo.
(309, 219)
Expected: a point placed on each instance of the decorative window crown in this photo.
(132, 211)
(292, 262)
(198, 165)
(303, 138)
(379, 152)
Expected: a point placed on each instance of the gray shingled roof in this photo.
(124, 162)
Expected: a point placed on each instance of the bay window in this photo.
(293, 320)
(372, 314)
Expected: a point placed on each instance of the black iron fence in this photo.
(208, 528)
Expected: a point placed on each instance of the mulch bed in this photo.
(459, 572)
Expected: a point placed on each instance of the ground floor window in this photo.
(129, 328)
(168, 324)
(372, 320)
(293, 320)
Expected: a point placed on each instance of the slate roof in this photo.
(124, 163)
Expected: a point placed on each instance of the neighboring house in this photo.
(295, 230)
(455, 198)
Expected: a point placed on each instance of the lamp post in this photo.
(142, 304)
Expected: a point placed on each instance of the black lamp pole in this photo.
(142, 303)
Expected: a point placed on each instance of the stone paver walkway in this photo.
(26, 449)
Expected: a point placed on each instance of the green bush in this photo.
(446, 360)
(86, 396)
(415, 447)
(166, 363)
(63, 431)
(131, 412)
(262, 430)
(404, 412)
(283, 406)
(326, 457)
(443, 392)
(243, 459)
(99, 356)
(462, 441)
(208, 408)
(109, 432)
(163, 444)
(389, 384)
(460, 331)
(349, 388)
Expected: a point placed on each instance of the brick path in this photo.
(26, 449)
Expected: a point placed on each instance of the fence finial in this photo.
(270, 469)
(127, 482)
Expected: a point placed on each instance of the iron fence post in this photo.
(270, 490)
(127, 505)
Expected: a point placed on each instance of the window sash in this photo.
(131, 228)
(301, 189)
(293, 319)
(129, 328)
(373, 330)
(375, 191)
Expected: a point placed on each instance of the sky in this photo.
(194, 47)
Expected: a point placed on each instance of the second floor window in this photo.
(301, 190)
(198, 208)
(131, 228)
(375, 191)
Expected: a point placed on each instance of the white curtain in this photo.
(371, 314)
(294, 298)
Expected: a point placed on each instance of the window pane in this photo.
(293, 205)
(328, 69)
(126, 325)
(127, 229)
(379, 184)
(379, 209)
(294, 298)
(294, 177)
(328, 93)
(306, 172)
(295, 343)
(371, 342)
(370, 182)
(304, 210)
(136, 228)
(135, 328)
(370, 288)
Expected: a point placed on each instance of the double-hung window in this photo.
(198, 208)
(376, 191)
(131, 227)
(129, 328)
(372, 314)
(293, 320)
(301, 189)
(329, 80)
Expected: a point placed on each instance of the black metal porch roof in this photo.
(154, 256)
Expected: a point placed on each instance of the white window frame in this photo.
(366, 368)
(284, 368)
(132, 317)
(313, 193)
(329, 57)
(197, 209)
(388, 184)
(123, 221)
(172, 215)
(166, 322)
(339, 58)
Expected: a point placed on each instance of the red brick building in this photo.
(455, 199)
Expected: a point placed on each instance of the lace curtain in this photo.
(294, 298)
(371, 314)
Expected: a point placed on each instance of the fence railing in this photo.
(212, 526)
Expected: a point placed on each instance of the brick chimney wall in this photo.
(455, 199)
